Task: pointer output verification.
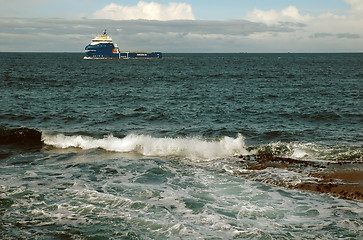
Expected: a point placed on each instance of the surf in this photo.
(194, 148)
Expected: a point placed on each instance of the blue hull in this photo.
(109, 51)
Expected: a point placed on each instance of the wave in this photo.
(310, 151)
(195, 148)
(198, 148)
(186, 147)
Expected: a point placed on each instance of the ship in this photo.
(102, 47)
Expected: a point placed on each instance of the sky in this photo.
(178, 26)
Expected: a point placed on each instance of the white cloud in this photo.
(146, 10)
(292, 14)
(313, 33)
(356, 8)
(289, 14)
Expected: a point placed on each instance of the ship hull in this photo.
(109, 51)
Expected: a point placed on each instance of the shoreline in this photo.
(341, 179)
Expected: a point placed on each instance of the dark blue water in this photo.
(134, 149)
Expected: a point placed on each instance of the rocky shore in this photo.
(342, 179)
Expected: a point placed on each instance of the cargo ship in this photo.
(102, 47)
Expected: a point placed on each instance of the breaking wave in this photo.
(194, 148)
(310, 151)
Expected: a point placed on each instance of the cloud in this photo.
(356, 9)
(286, 30)
(146, 10)
(321, 35)
(348, 35)
(313, 33)
(56, 34)
(339, 35)
(289, 14)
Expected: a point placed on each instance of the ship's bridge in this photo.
(102, 39)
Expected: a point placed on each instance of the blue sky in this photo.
(184, 25)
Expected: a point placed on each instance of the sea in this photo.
(152, 149)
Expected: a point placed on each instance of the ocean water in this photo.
(150, 149)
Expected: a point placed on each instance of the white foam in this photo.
(298, 153)
(312, 151)
(190, 147)
(316, 152)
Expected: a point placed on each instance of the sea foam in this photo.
(195, 148)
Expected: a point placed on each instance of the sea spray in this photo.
(194, 148)
(300, 114)
(310, 151)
